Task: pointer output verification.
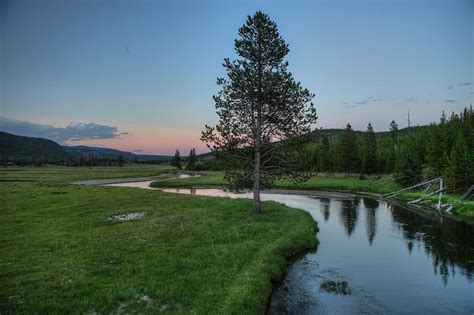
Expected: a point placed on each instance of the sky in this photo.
(140, 75)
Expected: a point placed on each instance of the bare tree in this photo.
(264, 114)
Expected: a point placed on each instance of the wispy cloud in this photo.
(450, 101)
(363, 102)
(75, 131)
(97, 145)
(464, 84)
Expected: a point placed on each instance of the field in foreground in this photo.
(189, 254)
(338, 182)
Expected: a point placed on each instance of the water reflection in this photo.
(449, 243)
(325, 205)
(349, 216)
(371, 206)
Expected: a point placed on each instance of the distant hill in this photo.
(21, 148)
(85, 152)
(334, 133)
(15, 148)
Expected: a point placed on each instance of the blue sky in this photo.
(148, 68)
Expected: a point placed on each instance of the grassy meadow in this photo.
(189, 254)
(67, 174)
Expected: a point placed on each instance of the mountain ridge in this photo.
(29, 149)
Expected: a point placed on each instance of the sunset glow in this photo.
(152, 140)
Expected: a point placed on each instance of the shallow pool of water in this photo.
(394, 260)
(146, 184)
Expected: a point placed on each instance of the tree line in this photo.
(83, 161)
(412, 154)
(193, 163)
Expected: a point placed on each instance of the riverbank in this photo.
(63, 251)
(463, 210)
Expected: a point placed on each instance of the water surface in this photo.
(146, 183)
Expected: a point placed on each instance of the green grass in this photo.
(381, 184)
(342, 182)
(189, 254)
(464, 209)
(338, 182)
(71, 174)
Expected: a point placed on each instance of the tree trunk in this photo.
(258, 143)
(256, 179)
(256, 195)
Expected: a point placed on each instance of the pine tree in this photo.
(325, 159)
(394, 133)
(443, 133)
(468, 126)
(460, 167)
(191, 160)
(408, 169)
(259, 104)
(391, 160)
(435, 151)
(120, 161)
(451, 131)
(369, 162)
(347, 151)
(176, 161)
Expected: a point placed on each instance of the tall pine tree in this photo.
(435, 151)
(408, 169)
(459, 171)
(325, 159)
(191, 160)
(259, 105)
(347, 151)
(176, 161)
(394, 133)
(369, 160)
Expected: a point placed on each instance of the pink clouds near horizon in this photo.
(152, 140)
